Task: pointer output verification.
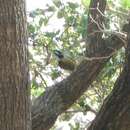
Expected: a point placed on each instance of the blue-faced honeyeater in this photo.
(63, 62)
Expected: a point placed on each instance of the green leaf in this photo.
(83, 28)
(51, 9)
(60, 13)
(46, 21)
(34, 84)
(55, 74)
(86, 3)
(31, 28)
(41, 21)
(57, 3)
(73, 5)
(36, 12)
(50, 34)
(39, 12)
(125, 3)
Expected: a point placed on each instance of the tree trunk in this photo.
(14, 89)
(115, 112)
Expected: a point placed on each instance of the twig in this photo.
(99, 58)
(42, 78)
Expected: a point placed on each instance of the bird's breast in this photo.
(67, 64)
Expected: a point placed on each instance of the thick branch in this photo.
(95, 26)
(115, 112)
(62, 95)
(96, 16)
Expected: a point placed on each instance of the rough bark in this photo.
(95, 27)
(58, 98)
(14, 89)
(115, 112)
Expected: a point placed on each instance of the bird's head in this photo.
(58, 54)
(64, 62)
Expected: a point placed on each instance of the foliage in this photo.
(63, 26)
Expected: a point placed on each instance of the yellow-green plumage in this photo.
(67, 64)
(64, 63)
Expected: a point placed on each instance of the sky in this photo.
(33, 4)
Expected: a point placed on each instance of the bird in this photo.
(65, 62)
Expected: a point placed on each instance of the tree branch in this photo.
(61, 96)
(115, 112)
(58, 98)
(95, 26)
